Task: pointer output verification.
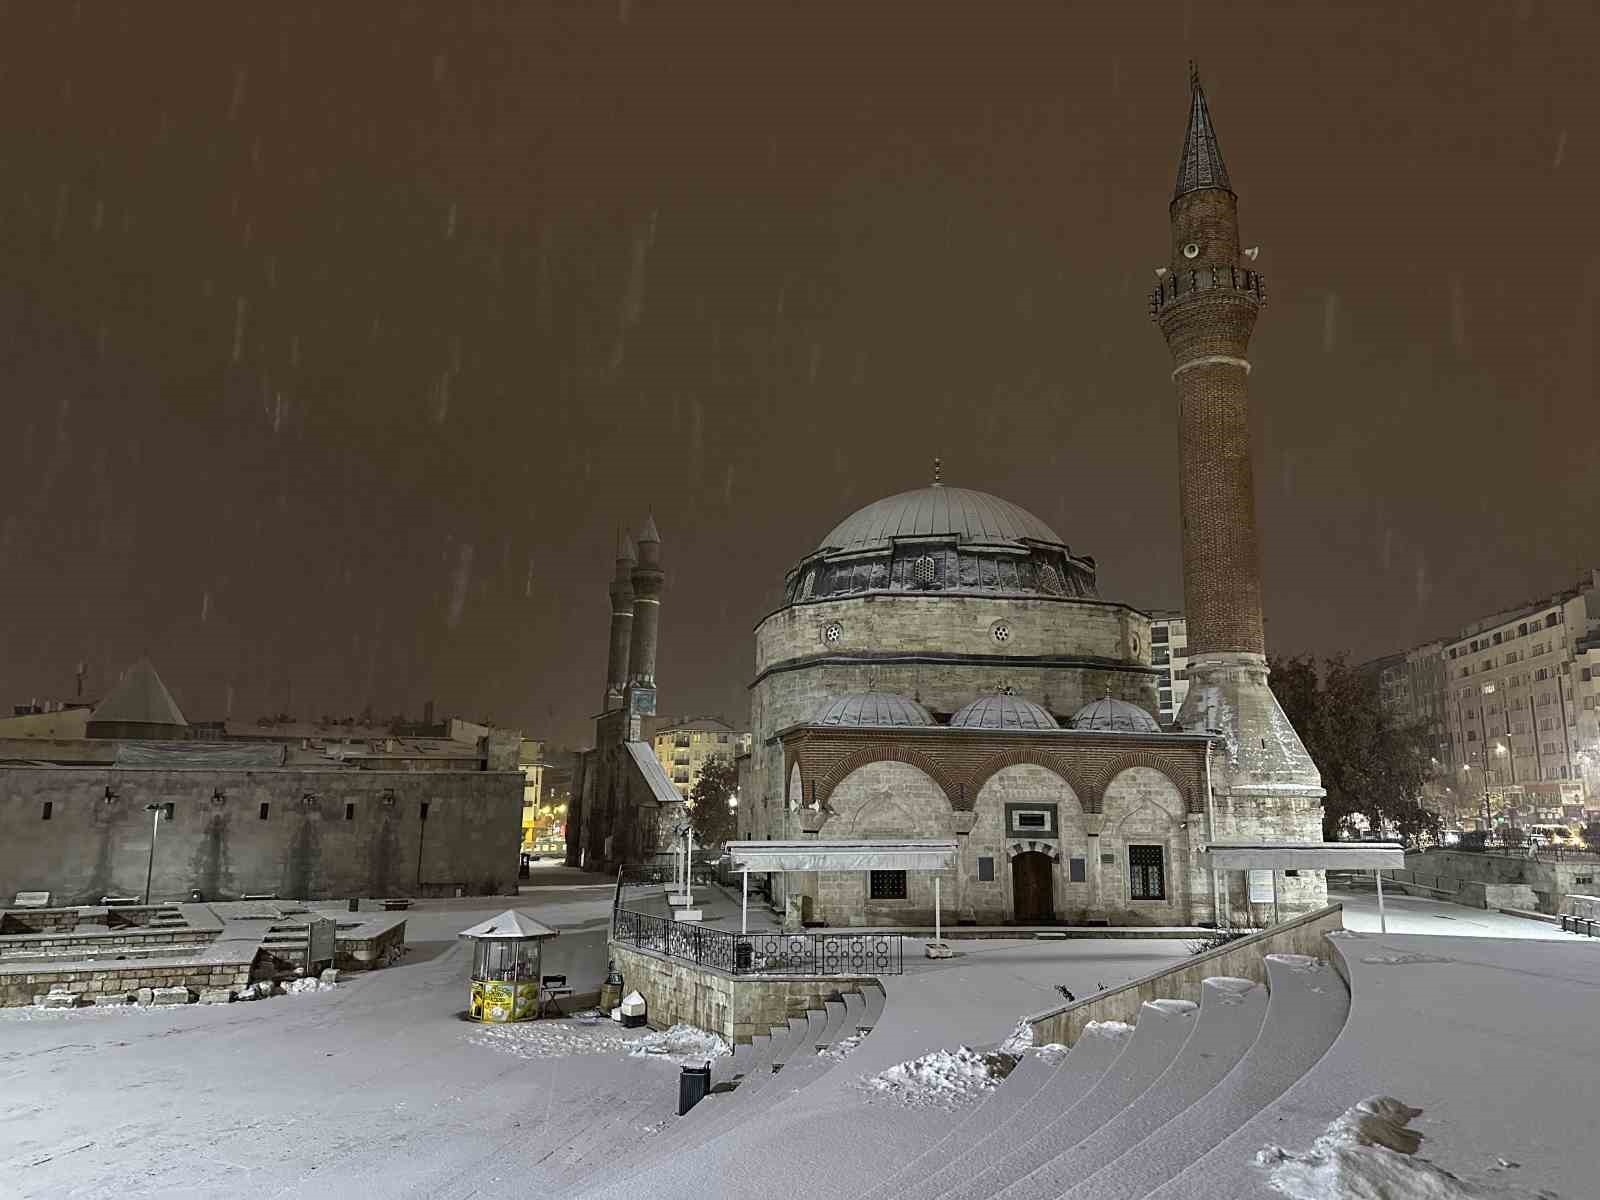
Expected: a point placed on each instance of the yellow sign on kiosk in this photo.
(506, 960)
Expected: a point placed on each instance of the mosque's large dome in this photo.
(967, 515)
(941, 539)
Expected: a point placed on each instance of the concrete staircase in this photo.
(1124, 1112)
(759, 1074)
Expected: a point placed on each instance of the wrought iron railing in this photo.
(760, 953)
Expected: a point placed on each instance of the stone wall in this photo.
(733, 1007)
(1463, 875)
(361, 833)
(1242, 959)
(109, 983)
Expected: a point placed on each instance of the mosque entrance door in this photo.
(1031, 898)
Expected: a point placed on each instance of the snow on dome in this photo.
(971, 515)
(1109, 715)
(1003, 712)
(873, 708)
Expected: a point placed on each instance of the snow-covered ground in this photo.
(380, 1088)
(1419, 914)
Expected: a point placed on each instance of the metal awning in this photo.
(1303, 856)
(868, 854)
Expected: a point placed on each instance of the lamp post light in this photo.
(155, 827)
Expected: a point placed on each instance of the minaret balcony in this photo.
(1190, 281)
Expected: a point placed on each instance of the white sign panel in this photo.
(1260, 887)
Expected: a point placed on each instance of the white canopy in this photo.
(510, 924)
(868, 854)
(1303, 856)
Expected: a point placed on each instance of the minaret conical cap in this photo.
(1201, 165)
(648, 533)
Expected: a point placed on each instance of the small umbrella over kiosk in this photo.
(506, 959)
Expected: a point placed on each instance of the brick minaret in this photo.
(1265, 786)
(621, 625)
(647, 580)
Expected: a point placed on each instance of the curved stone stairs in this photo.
(1124, 1113)
(616, 1157)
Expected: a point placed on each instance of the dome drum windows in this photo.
(832, 633)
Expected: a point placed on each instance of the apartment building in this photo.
(1511, 706)
(684, 746)
(1169, 653)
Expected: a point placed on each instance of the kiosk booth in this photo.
(506, 957)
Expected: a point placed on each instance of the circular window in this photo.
(1000, 631)
(1134, 637)
(831, 633)
(1192, 250)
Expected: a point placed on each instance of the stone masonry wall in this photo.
(1242, 959)
(90, 848)
(107, 983)
(734, 1008)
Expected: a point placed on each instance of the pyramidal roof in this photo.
(139, 698)
(510, 924)
(1201, 165)
(648, 533)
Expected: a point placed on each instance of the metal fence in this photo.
(1581, 925)
(760, 953)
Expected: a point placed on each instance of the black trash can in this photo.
(355, 904)
(693, 1084)
(743, 957)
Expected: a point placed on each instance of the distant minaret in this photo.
(647, 581)
(621, 624)
(1206, 302)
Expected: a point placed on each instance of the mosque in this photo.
(945, 666)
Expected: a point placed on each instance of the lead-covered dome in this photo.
(1003, 712)
(931, 511)
(873, 708)
(937, 539)
(1110, 715)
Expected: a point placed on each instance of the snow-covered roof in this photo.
(510, 924)
(140, 698)
(869, 854)
(1310, 856)
(655, 775)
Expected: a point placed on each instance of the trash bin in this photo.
(355, 904)
(196, 896)
(743, 957)
(693, 1084)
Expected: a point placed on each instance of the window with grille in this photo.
(887, 885)
(1146, 879)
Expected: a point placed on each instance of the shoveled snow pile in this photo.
(1020, 1042)
(1367, 1154)
(682, 1044)
(310, 983)
(942, 1079)
(551, 1039)
(843, 1048)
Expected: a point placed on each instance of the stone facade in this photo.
(115, 983)
(326, 834)
(733, 1007)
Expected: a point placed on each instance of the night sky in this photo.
(337, 339)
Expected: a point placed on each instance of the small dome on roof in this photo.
(1109, 715)
(873, 708)
(1003, 712)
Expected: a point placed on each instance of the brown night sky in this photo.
(338, 338)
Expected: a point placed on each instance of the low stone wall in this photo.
(105, 983)
(1587, 907)
(1241, 959)
(735, 1007)
(1455, 872)
(367, 953)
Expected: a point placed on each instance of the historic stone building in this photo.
(944, 666)
(624, 806)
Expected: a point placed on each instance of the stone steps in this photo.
(1306, 1008)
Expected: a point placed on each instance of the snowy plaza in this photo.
(378, 1086)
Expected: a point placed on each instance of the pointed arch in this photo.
(1185, 777)
(885, 752)
(1082, 786)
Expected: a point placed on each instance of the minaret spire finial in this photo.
(1201, 165)
(938, 472)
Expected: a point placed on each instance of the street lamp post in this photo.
(155, 827)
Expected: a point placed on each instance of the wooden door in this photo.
(1032, 901)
